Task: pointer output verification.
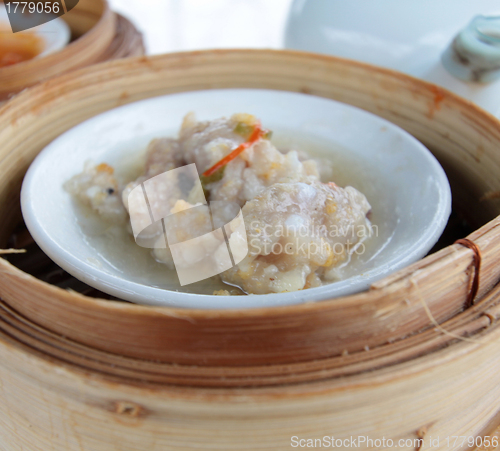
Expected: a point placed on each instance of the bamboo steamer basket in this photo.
(411, 357)
(98, 34)
(391, 310)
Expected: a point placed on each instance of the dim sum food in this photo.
(153, 209)
(287, 227)
(19, 47)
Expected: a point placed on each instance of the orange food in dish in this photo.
(18, 47)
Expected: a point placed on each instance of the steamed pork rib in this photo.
(298, 232)
(259, 166)
(97, 188)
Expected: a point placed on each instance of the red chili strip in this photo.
(254, 137)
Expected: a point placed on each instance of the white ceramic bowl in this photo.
(405, 184)
(55, 34)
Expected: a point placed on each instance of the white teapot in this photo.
(453, 43)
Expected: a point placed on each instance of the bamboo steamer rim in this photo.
(469, 331)
(471, 334)
(79, 83)
(127, 41)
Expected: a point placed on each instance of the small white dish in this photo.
(405, 184)
(56, 34)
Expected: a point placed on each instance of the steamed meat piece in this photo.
(296, 233)
(258, 167)
(162, 154)
(299, 232)
(97, 188)
(205, 143)
(197, 245)
(189, 221)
